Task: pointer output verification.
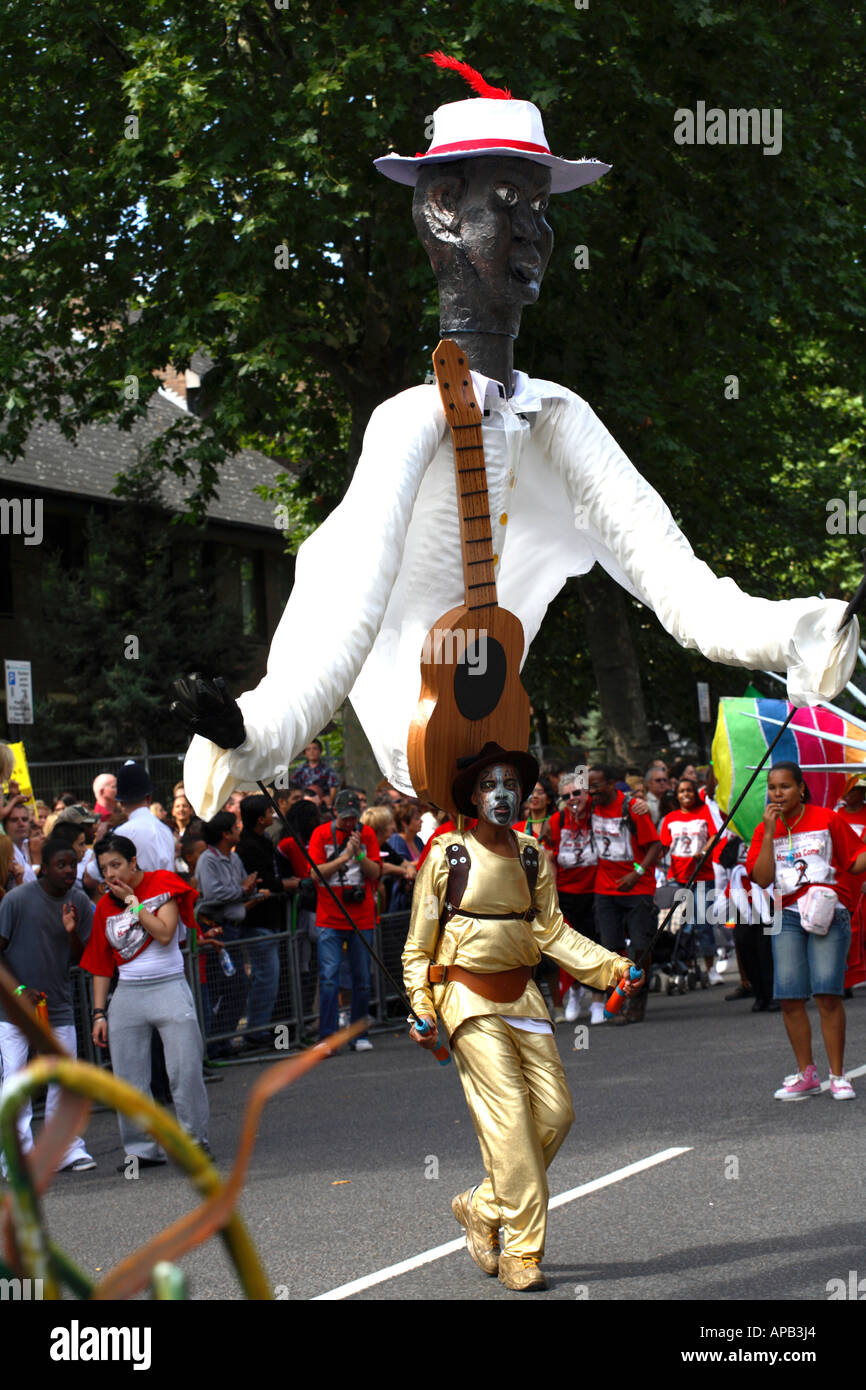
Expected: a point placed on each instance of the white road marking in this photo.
(439, 1251)
(617, 1176)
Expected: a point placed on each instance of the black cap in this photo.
(347, 803)
(133, 782)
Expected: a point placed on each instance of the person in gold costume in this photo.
(484, 909)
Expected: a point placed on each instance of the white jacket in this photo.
(374, 578)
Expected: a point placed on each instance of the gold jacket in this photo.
(495, 884)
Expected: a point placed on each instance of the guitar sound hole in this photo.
(479, 679)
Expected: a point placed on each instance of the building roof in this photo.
(90, 466)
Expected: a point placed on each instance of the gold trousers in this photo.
(521, 1109)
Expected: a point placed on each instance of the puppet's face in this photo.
(483, 224)
(503, 231)
(497, 794)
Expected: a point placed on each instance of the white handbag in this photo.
(818, 908)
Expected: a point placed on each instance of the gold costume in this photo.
(513, 1079)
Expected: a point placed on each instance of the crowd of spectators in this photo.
(121, 884)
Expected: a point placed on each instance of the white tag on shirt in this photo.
(612, 839)
(809, 860)
(125, 933)
(349, 876)
(688, 838)
(576, 849)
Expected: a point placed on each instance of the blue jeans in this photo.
(331, 940)
(804, 963)
(264, 958)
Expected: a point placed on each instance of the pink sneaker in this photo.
(841, 1088)
(800, 1085)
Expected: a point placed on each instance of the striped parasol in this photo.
(827, 742)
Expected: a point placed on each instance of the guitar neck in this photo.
(464, 418)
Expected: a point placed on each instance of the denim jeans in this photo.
(264, 958)
(805, 963)
(263, 954)
(330, 948)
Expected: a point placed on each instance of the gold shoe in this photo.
(482, 1241)
(521, 1272)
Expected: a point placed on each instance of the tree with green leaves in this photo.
(178, 178)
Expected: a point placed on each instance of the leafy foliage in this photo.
(242, 215)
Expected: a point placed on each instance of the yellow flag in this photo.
(21, 775)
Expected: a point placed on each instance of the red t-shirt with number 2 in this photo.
(817, 847)
(619, 849)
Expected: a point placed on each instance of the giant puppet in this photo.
(561, 495)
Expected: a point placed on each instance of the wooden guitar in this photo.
(470, 684)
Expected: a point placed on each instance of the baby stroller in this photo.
(675, 968)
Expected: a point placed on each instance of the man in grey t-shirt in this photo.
(44, 926)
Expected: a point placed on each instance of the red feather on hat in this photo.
(470, 75)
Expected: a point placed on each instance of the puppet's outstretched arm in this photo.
(344, 576)
(636, 539)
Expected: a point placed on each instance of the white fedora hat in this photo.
(491, 123)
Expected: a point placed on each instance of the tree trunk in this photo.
(615, 666)
(360, 766)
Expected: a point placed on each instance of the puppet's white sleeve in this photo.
(344, 576)
(635, 538)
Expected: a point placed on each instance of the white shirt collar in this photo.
(530, 393)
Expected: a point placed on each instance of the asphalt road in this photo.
(356, 1164)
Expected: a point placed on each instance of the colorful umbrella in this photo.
(827, 743)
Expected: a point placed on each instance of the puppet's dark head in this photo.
(481, 192)
(482, 223)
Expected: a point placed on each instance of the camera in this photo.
(355, 894)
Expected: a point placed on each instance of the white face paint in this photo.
(497, 794)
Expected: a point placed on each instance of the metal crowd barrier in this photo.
(294, 1021)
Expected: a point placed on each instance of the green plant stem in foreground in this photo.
(39, 1258)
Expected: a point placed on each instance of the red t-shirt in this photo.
(100, 957)
(538, 829)
(619, 850)
(853, 883)
(575, 853)
(323, 848)
(687, 834)
(820, 848)
(288, 848)
(855, 818)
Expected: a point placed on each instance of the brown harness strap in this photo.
(459, 863)
(501, 986)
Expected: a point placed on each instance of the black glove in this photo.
(730, 855)
(205, 707)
